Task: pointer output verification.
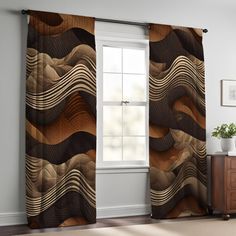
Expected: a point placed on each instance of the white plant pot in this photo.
(227, 144)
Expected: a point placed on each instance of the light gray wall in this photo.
(220, 62)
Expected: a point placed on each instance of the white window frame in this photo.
(125, 43)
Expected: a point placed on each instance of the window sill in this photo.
(121, 169)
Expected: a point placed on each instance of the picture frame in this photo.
(228, 93)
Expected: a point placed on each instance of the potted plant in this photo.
(226, 133)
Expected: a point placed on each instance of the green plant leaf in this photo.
(224, 131)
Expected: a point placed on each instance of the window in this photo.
(122, 103)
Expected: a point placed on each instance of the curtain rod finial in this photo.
(205, 30)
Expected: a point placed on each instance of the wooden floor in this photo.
(24, 229)
(135, 220)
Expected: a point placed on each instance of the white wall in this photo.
(220, 61)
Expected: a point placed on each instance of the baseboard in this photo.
(122, 211)
(19, 218)
(13, 218)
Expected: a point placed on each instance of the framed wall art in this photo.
(228, 93)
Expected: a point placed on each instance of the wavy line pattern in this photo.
(51, 44)
(186, 176)
(183, 72)
(61, 120)
(79, 78)
(177, 106)
(73, 180)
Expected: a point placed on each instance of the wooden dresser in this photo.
(223, 184)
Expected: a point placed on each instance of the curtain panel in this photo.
(60, 120)
(178, 164)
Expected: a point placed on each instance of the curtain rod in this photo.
(24, 12)
(123, 22)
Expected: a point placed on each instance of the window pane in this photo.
(133, 61)
(134, 87)
(134, 120)
(134, 148)
(112, 120)
(112, 59)
(112, 87)
(112, 149)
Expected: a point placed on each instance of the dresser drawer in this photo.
(231, 163)
(231, 179)
(231, 200)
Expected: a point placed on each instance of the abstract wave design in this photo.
(56, 180)
(177, 147)
(60, 120)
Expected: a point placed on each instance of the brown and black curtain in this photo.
(60, 120)
(177, 122)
